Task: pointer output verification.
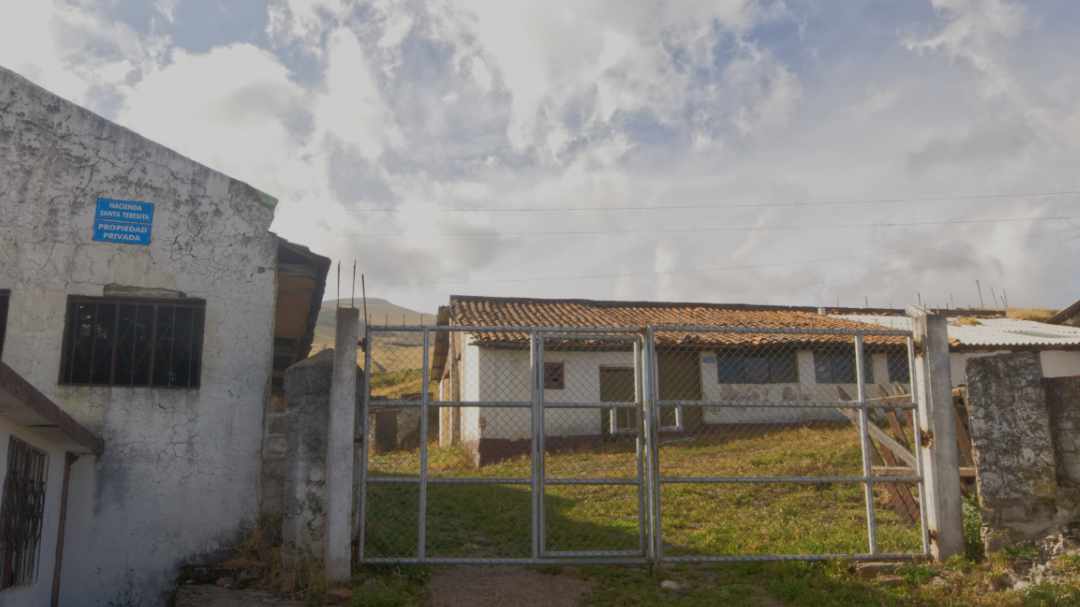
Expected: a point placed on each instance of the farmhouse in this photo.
(702, 366)
(146, 311)
(974, 336)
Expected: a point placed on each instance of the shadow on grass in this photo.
(494, 521)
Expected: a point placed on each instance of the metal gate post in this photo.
(362, 442)
(937, 442)
(425, 398)
(639, 445)
(865, 444)
(917, 440)
(537, 448)
(541, 523)
(652, 419)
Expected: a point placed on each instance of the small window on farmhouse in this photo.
(771, 368)
(3, 318)
(838, 367)
(132, 342)
(21, 514)
(899, 371)
(554, 376)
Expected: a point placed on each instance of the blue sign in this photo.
(123, 221)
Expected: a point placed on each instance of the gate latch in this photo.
(927, 438)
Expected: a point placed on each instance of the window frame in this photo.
(5, 305)
(38, 461)
(742, 356)
(834, 355)
(903, 357)
(560, 384)
(634, 414)
(197, 340)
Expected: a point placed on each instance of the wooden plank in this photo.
(878, 434)
(966, 472)
(900, 494)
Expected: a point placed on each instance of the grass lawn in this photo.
(710, 519)
(728, 519)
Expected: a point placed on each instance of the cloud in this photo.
(386, 127)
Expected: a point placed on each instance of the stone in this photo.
(673, 586)
(871, 569)
(1013, 447)
(1063, 402)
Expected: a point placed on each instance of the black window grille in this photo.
(743, 368)
(133, 342)
(838, 367)
(3, 318)
(21, 514)
(899, 370)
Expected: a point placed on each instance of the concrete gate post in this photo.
(339, 448)
(938, 453)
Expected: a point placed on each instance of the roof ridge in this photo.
(615, 303)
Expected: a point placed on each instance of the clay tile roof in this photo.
(521, 312)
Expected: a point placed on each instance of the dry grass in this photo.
(1036, 314)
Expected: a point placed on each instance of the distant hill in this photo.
(380, 312)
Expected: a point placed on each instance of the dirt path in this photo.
(512, 586)
(212, 596)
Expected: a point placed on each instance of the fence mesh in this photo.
(745, 444)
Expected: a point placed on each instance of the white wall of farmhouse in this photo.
(498, 374)
(179, 473)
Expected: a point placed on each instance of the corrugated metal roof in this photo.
(988, 332)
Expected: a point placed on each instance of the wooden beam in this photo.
(965, 471)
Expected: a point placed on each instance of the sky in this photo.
(786, 151)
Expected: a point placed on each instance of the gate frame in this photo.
(926, 373)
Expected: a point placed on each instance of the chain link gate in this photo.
(632, 445)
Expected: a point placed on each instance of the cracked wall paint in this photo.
(180, 470)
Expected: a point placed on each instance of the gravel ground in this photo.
(511, 586)
(213, 596)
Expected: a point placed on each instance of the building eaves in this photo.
(26, 406)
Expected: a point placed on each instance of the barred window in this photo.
(3, 318)
(554, 376)
(838, 367)
(617, 385)
(744, 368)
(133, 342)
(899, 370)
(21, 514)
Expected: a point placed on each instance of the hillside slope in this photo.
(380, 311)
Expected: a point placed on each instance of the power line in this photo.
(736, 205)
(694, 270)
(692, 230)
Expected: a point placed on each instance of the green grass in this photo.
(493, 521)
(728, 519)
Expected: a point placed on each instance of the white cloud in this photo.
(426, 106)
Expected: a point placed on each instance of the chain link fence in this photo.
(523, 444)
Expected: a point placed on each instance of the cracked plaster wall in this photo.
(180, 470)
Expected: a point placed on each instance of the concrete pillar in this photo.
(938, 453)
(339, 448)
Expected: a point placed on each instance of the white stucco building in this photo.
(39, 444)
(972, 336)
(141, 290)
(494, 367)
